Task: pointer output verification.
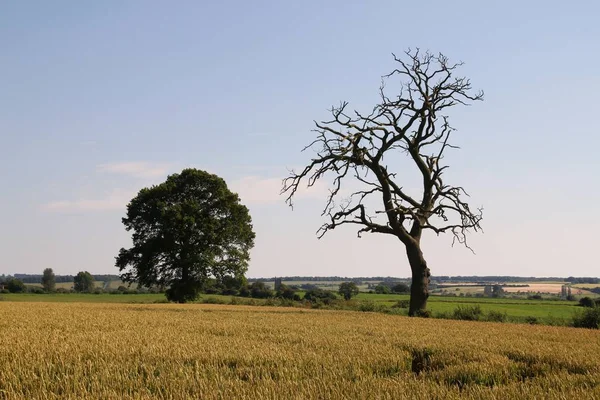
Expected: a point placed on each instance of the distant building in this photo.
(277, 284)
(565, 291)
(488, 290)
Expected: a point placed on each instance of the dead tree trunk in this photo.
(419, 290)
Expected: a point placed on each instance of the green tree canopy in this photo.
(186, 230)
(286, 292)
(319, 294)
(15, 286)
(382, 289)
(259, 290)
(348, 290)
(401, 288)
(49, 280)
(83, 282)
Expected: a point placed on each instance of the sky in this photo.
(101, 99)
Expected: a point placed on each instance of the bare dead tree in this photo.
(355, 147)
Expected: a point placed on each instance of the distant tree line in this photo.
(439, 279)
(37, 278)
(356, 280)
(493, 278)
(583, 280)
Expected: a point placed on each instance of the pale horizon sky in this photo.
(100, 99)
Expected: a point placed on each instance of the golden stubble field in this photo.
(121, 351)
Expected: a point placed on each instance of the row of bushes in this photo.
(259, 290)
(473, 313)
(589, 302)
(589, 317)
(120, 290)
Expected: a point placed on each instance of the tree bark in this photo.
(419, 290)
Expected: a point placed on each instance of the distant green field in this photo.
(390, 298)
(547, 311)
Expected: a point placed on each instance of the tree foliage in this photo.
(400, 288)
(83, 282)
(383, 289)
(319, 294)
(232, 285)
(186, 230)
(259, 290)
(588, 318)
(587, 302)
(16, 286)
(49, 280)
(363, 154)
(348, 290)
(287, 292)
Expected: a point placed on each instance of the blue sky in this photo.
(99, 99)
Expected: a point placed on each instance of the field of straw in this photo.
(163, 351)
(537, 287)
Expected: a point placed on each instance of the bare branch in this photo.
(351, 146)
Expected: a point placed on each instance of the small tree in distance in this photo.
(348, 290)
(15, 285)
(49, 280)
(83, 282)
(286, 292)
(400, 288)
(260, 290)
(587, 302)
(318, 294)
(382, 289)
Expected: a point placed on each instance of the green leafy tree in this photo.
(186, 230)
(587, 302)
(231, 285)
(286, 292)
(589, 318)
(348, 290)
(49, 280)
(83, 282)
(401, 288)
(16, 286)
(259, 290)
(367, 153)
(382, 289)
(319, 294)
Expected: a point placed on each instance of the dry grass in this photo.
(117, 351)
(587, 285)
(554, 288)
